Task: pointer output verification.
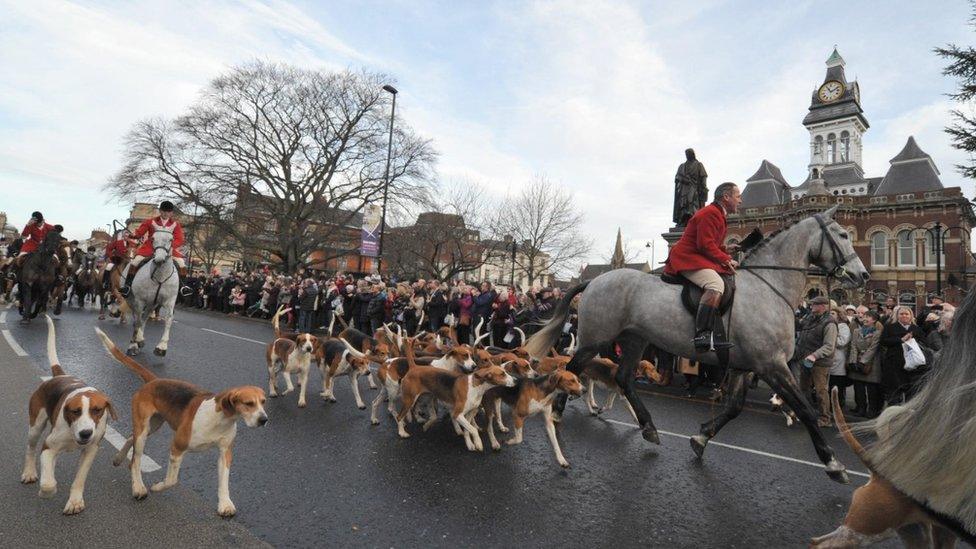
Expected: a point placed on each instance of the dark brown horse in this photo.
(38, 276)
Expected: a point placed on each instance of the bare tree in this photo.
(278, 158)
(208, 242)
(445, 239)
(545, 223)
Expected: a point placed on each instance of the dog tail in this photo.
(118, 355)
(844, 428)
(541, 341)
(274, 320)
(408, 351)
(52, 349)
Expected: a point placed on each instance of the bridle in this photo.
(838, 271)
(152, 275)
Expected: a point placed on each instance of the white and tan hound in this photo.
(291, 357)
(200, 420)
(77, 416)
(530, 397)
(340, 358)
(462, 392)
(603, 371)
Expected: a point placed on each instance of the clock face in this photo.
(830, 91)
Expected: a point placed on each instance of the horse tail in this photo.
(539, 344)
(118, 355)
(844, 428)
(52, 350)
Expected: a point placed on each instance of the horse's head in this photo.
(162, 246)
(831, 249)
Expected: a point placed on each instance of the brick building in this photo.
(893, 220)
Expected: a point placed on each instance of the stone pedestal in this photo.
(673, 235)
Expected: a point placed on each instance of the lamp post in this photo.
(511, 280)
(651, 245)
(386, 185)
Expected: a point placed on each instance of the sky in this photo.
(600, 97)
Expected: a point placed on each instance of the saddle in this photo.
(691, 294)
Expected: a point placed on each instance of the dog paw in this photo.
(564, 464)
(160, 486)
(140, 493)
(273, 394)
(226, 509)
(28, 477)
(362, 406)
(496, 446)
(332, 399)
(301, 404)
(74, 506)
(48, 491)
(374, 421)
(511, 442)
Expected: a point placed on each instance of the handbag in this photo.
(914, 357)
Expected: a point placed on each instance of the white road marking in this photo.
(116, 439)
(3, 317)
(744, 449)
(13, 343)
(235, 336)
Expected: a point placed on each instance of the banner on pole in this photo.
(372, 220)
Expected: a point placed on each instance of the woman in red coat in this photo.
(700, 256)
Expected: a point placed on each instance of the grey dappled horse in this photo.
(634, 309)
(155, 285)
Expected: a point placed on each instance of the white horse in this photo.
(155, 285)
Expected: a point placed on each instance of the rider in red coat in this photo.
(34, 233)
(700, 256)
(162, 222)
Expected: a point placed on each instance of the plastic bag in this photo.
(914, 357)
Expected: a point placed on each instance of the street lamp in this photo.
(386, 185)
(937, 242)
(651, 245)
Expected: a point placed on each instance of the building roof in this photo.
(596, 269)
(912, 170)
(766, 186)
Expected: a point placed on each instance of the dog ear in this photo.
(551, 383)
(482, 373)
(226, 401)
(111, 410)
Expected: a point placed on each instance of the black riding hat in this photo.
(59, 228)
(38, 215)
(74, 242)
(166, 206)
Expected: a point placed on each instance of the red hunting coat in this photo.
(702, 244)
(34, 235)
(150, 226)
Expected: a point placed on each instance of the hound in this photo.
(291, 357)
(529, 397)
(390, 373)
(462, 393)
(199, 419)
(878, 507)
(778, 404)
(340, 358)
(376, 349)
(604, 372)
(76, 414)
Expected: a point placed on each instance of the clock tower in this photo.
(836, 124)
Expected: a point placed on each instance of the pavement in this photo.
(324, 476)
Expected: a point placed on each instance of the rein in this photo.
(159, 283)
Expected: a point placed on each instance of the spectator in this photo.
(895, 381)
(437, 307)
(814, 353)
(502, 320)
(482, 304)
(464, 302)
(838, 368)
(864, 363)
(307, 296)
(376, 307)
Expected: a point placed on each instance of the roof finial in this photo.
(835, 59)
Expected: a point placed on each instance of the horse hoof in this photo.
(837, 472)
(650, 435)
(132, 351)
(698, 443)
(141, 344)
(159, 352)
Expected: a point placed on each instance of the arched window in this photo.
(831, 147)
(845, 146)
(879, 250)
(906, 249)
(818, 148)
(930, 249)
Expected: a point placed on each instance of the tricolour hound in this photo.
(77, 416)
(200, 420)
(291, 357)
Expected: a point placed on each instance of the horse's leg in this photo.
(167, 313)
(25, 303)
(738, 386)
(632, 349)
(582, 355)
(782, 382)
(137, 338)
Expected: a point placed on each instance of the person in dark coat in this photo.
(501, 321)
(307, 299)
(483, 304)
(361, 308)
(437, 306)
(895, 381)
(376, 309)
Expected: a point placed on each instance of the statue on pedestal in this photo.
(690, 190)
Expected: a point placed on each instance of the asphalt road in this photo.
(325, 476)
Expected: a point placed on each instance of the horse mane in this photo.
(927, 447)
(51, 242)
(764, 242)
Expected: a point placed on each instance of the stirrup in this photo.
(124, 291)
(186, 291)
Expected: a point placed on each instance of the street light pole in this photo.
(514, 248)
(386, 185)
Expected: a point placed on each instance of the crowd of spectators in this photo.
(368, 302)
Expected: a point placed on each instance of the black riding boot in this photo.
(705, 338)
(124, 290)
(106, 283)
